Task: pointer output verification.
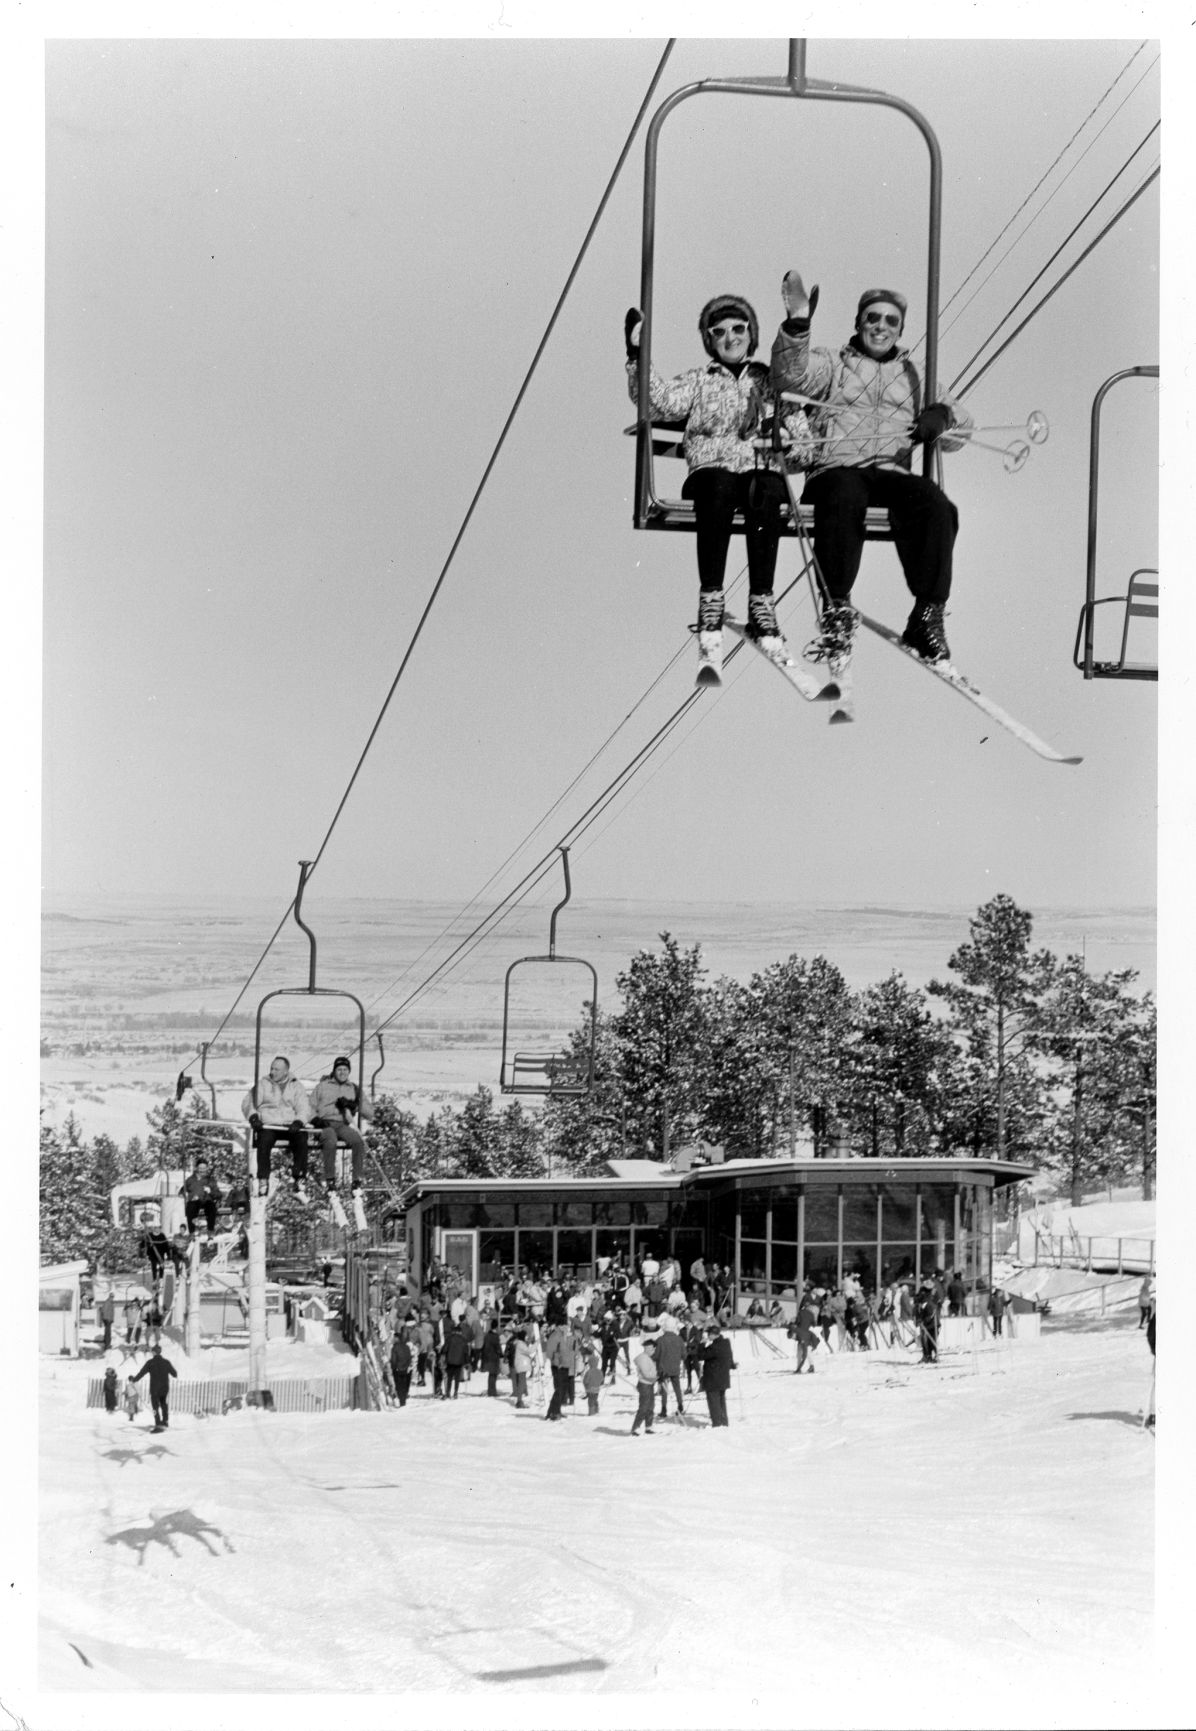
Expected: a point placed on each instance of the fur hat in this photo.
(871, 296)
(728, 304)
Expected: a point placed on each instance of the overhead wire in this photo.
(1071, 269)
(1041, 181)
(1071, 234)
(465, 521)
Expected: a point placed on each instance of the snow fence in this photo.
(292, 1394)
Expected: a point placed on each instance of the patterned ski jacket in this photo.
(722, 415)
(870, 404)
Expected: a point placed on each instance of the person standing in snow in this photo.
(400, 1363)
(490, 1357)
(1145, 1300)
(717, 1365)
(998, 1304)
(521, 1367)
(645, 1388)
(670, 1359)
(110, 1390)
(159, 1370)
(926, 1312)
(107, 1316)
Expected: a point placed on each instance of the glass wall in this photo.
(774, 1236)
(878, 1232)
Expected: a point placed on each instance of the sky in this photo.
(292, 287)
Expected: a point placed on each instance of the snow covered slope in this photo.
(948, 1546)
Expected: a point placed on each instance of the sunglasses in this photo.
(891, 321)
(721, 331)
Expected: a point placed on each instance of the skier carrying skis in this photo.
(721, 407)
(334, 1101)
(872, 419)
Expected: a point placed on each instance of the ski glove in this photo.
(319, 1123)
(932, 423)
(255, 1120)
(632, 325)
(298, 1124)
(798, 304)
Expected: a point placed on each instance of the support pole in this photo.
(256, 1276)
(192, 1277)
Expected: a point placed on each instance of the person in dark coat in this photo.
(201, 1195)
(957, 1295)
(670, 1357)
(927, 1312)
(490, 1358)
(159, 1370)
(998, 1304)
(400, 1365)
(717, 1365)
(456, 1357)
(110, 1390)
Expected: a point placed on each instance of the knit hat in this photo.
(871, 296)
(337, 1062)
(738, 308)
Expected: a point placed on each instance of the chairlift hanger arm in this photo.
(1087, 662)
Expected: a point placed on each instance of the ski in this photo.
(806, 683)
(949, 674)
(338, 1209)
(359, 1212)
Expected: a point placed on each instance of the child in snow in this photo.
(110, 1394)
(132, 1400)
(592, 1380)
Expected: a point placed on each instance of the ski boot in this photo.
(763, 630)
(834, 640)
(710, 637)
(924, 632)
(300, 1189)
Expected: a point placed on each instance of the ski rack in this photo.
(1141, 600)
(552, 1074)
(649, 511)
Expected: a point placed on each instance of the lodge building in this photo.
(773, 1222)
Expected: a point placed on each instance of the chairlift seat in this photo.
(679, 513)
(1140, 601)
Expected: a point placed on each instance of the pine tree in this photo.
(995, 1008)
(662, 1031)
(72, 1205)
(897, 1054)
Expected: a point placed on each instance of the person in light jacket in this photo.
(279, 1108)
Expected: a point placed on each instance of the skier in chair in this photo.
(721, 407)
(335, 1098)
(873, 417)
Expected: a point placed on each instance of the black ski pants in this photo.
(717, 494)
(402, 1382)
(161, 1408)
(296, 1139)
(716, 1405)
(665, 1382)
(923, 520)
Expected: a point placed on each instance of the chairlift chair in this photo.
(650, 511)
(1141, 599)
(555, 1074)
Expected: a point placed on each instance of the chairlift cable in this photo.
(569, 281)
(1046, 176)
(1073, 231)
(1112, 223)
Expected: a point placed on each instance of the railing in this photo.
(1094, 1251)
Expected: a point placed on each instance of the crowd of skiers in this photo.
(904, 1313)
(559, 1334)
